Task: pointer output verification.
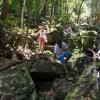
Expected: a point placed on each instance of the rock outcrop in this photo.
(15, 82)
(15, 79)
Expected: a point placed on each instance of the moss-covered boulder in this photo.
(16, 83)
(61, 87)
(47, 66)
(84, 87)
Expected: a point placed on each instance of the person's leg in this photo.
(65, 67)
(42, 45)
(61, 59)
(67, 54)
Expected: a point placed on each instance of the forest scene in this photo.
(49, 49)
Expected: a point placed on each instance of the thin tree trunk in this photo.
(22, 14)
(65, 6)
(44, 9)
(72, 12)
(52, 8)
(79, 11)
(22, 22)
(56, 7)
(4, 11)
(35, 16)
(60, 6)
(37, 12)
(27, 33)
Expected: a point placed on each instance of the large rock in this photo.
(84, 87)
(61, 87)
(46, 63)
(16, 83)
(15, 80)
(54, 36)
(47, 66)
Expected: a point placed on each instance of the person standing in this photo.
(42, 39)
(67, 30)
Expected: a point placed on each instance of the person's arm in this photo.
(70, 29)
(55, 51)
(54, 55)
(65, 47)
(47, 31)
(37, 33)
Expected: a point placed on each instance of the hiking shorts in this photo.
(62, 57)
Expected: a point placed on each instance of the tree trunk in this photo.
(44, 9)
(72, 12)
(79, 11)
(60, 6)
(56, 8)
(27, 33)
(22, 22)
(4, 9)
(22, 14)
(52, 8)
(27, 22)
(95, 13)
(65, 6)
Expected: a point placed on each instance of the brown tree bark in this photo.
(79, 11)
(22, 22)
(60, 6)
(52, 8)
(4, 11)
(22, 14)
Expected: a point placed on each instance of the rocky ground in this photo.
(43, 78)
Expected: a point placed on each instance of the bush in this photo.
(10, 22)
(81, 40)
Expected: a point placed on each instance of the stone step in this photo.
(49, 47)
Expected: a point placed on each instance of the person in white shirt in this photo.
(61, 51)
(67, 30)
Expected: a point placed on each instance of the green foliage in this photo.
(60, 10)
(97, 27)
(76, 10)
(14, 7)
(10, 21)
(62, 18)
(98, 63)
(1, 26)
(14, 39)
(34, 9)
(82, 40)
(0, 5)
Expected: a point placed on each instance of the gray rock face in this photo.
(16, 84)
(61, 87)
(84, 87)
(47, 66)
